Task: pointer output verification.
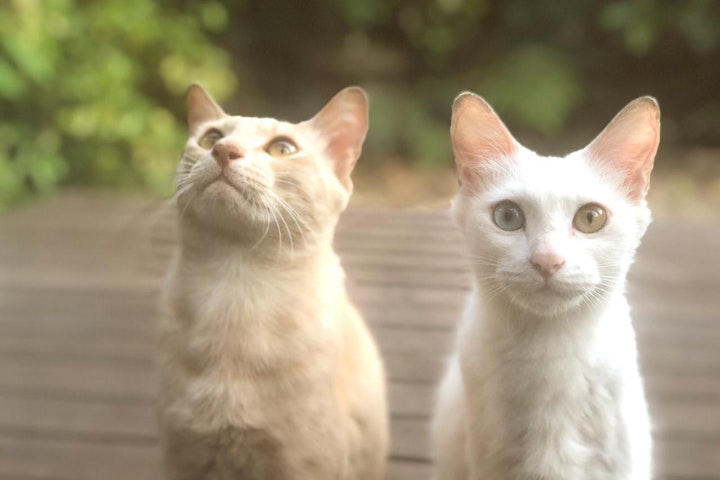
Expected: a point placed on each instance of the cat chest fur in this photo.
(550, 401)
(231, 351)
(241, 375)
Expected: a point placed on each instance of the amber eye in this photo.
(210, 138)
(281, 147)
(590, 218)
(508, 216)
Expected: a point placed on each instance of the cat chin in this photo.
(221, 206)
(221, 198)
(228, 196)
(546, 302)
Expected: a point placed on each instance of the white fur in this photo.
(544, 382)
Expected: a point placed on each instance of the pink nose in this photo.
(225, 152)
(546, 263)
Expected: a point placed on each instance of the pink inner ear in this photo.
(343, 122)
(479, 137)
(345, 137)
(629, 144)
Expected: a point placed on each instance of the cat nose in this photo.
(546, 263)
(225, 152)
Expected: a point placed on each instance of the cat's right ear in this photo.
(201, 108)
(479, 138)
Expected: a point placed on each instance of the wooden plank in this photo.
(79, 378)
(359, 257)
(53, 304)
(74, 281)
(406, 340)
(405, 368)
(75, 419)
(411, 399)
(683, 386)
(31, 457)
(410, 438)
(374, 295)
(404, 469)
(687, 459)
(682, 419)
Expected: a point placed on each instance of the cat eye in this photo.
(590, 218)
(210, 138)
(508, 216)
(281, 147)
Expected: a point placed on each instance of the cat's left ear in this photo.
(201, 108)
(344, 124)
(629, 144)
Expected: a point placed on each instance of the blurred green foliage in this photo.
(91, 91)
(87, 90)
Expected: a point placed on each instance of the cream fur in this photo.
(543, 382)
(268, 371)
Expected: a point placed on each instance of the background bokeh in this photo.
(92, 97)
(91, 92)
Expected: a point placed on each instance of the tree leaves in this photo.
(87, 94)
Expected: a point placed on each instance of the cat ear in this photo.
(201, 108)
(629, 144)
(344, 123)
(478, 137)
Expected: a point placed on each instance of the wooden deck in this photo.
(77, 375)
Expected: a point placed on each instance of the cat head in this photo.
(261, 180)
(552, 233)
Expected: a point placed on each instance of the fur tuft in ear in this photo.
(478, 137)
(201, 108)
(629, 144)
(344, 123)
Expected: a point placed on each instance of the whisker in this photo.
(264, 210)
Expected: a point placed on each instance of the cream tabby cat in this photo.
(268, 371)
(544, 381)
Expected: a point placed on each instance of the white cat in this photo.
(544, 381)
(268, 371)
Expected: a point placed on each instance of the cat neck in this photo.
(205, 249)
(216, 286)
(215, 266)
(250, 313)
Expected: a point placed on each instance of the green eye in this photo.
(508, 216)
(281, 147)
(590, 218)
(210, 138)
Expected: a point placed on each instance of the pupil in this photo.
(508, 216)
(590, 217)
